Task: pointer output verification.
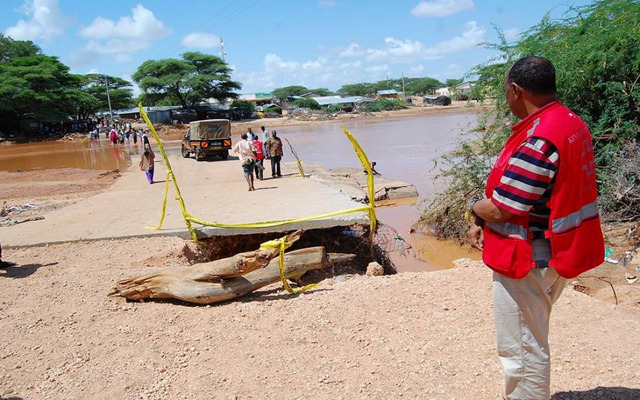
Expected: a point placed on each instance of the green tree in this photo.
(307, 103)
(241, 109)
(94, 94)
(287, 91)
(357, 89)
(596, 53)
(196, 78)
(421, 86)
(322, 92)
(33, 85)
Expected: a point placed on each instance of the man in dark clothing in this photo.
(274, 149)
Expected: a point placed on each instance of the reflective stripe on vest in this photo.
(508, 229)
(575, 219)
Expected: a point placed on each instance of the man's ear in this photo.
(516, 90)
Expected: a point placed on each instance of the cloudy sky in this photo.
(270, 44)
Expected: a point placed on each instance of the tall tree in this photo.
(195, 78)
(284, 92)
(357, 89)
(33, 85)
(120, 90)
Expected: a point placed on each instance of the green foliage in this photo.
(33, 85)
(385, 104)
(196, 78)
(241, 109)
(284, 92)
(596, 52)
(322, 92)
(306, 103)
(358, 89)
(95, 86)
(411, 86)
(334, 109)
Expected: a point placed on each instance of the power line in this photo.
(233, 14)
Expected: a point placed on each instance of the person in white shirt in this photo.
(245, 150)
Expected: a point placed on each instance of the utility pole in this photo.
(403, 94)
(222, 48)
(106, 82)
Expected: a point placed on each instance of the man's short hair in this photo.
(244, 136)
(534, 74)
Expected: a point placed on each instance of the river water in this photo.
(404, 150)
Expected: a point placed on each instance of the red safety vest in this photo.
(574, 229)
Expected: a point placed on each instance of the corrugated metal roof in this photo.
(330, 100)
(390, 91)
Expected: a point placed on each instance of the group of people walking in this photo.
(253, 151)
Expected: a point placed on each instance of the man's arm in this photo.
(487, 211)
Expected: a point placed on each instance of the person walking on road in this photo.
(274, 149)
(258, 149)
(245, 150)
(539, 224)
(265, 136)
(147, 162)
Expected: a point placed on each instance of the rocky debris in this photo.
(374, 269)
(352, 182)
(8, 214)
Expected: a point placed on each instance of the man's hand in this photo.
(475, 236)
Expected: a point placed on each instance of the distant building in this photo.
(387, 94)
(260, 99)
(465, 88)
(443, 91)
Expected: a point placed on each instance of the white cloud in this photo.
(141, 24)
(418, 70)
(441, 8)
(353, 50)
(396, 51)
(511, 34)
(274, 64)
(120, 39)
(327, 3)
(351, 65)
(45, 21)
(470, 38)
(201, 40)
(406, 51)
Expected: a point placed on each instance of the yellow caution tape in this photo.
(283, 244)
(188, 218)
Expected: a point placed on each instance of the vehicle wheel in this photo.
(185, 152)
(225, 155)
(198, 156)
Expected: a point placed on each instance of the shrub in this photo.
(306, 103)
(385, 104)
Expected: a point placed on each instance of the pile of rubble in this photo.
(307, 114)
(8, 214)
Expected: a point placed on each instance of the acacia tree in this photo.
(596, 53)
(196, 78)
(33, 85)
(287, 91)
(120, 92)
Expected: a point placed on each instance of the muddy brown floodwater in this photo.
(404, 149)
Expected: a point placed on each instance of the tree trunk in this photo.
(202, 284)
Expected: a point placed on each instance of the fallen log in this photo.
(188, 283)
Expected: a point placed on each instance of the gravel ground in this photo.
(411, 335)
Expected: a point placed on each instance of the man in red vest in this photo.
(538, 225)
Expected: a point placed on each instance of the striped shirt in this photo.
(527, 182)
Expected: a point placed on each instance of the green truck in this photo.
(209, 137)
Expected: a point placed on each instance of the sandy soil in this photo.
(412, 335)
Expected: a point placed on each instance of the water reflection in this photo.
(404, 149)
(88, 154)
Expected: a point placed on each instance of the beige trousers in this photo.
(521, 309)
